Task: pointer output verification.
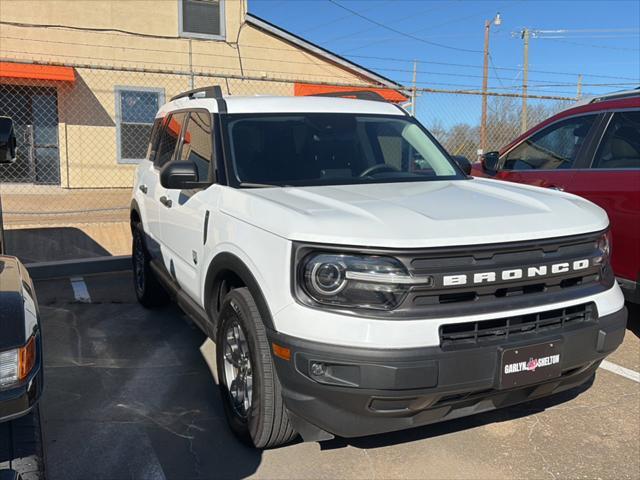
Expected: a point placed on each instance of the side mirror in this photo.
(464, 163)
(180, 176)
(490, 162)
(7, 141)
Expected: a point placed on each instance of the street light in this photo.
(497, 21)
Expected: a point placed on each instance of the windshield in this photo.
(304, 149)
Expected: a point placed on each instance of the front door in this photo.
(548, 157)
(185, 214)
(34, 111)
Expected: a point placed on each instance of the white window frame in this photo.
(118, 89)
(204, 36)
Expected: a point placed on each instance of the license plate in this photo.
(530, 364)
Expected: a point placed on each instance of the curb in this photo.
(83, 266)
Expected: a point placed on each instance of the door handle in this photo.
(166, 201)
(143, 189)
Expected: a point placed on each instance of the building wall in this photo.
(87, 108)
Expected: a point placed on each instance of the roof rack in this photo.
(355, 94)
(213, 91)
(617, 95)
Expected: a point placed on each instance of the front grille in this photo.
(465, 298)
(489, 331)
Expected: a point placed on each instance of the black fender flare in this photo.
(226, 261)
(134, 207)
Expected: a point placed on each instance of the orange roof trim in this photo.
(37, 72)
(305, 89)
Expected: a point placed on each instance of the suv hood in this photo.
(415, 215)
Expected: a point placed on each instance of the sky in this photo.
(598, 39)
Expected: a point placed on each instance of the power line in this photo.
(606, 47)
(468, 65)
(120, 33)
(259, 70)
(433, 27)
(399, 70)
(351, 34)
(400, 32)
(332, 22)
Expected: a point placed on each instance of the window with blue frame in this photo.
(136, 109)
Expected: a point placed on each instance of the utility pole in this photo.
(485, 80)
(191, 78)
(485, 87)
(414, 95)
(525, 78)
(579, 92)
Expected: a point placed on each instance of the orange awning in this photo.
(305, 89)
(37, 72)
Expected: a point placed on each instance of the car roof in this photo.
(635, 92)
(269, 104)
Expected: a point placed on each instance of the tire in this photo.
(149, 291)
(263, 421)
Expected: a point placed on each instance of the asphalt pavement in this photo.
(130, 394)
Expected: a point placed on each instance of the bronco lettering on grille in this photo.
(515, 273)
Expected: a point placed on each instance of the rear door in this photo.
(548, 157)
(612, 180)
(184, 214)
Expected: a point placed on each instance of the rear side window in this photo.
(554, 148)
(171, 128)
(620, 146)
(196, 146)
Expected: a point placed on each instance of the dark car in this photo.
(20, 334)
(20, 341)
(591, 150)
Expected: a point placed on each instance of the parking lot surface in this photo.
(130, 394)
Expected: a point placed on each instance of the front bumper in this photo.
(370, 391)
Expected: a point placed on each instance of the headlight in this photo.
(16, 364)
(355, 281)
(604, 247)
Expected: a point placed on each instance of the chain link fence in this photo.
(454, 118)
(79, 141)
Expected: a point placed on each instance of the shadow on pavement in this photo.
(20, 447)
(129, 395)
(457, 425)
(633, 323)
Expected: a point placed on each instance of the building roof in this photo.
(300, 42)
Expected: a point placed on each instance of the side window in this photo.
(169, 137)
(620, 146)
(196, 146)
(136, 110)
(153, 139)
(555, 147)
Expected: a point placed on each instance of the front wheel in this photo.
(251, 392)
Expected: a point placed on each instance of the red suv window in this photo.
(620, 146)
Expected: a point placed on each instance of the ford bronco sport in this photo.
(354, 279)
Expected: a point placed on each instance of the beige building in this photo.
(83, 78)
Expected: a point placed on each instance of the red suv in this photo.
(592, 150)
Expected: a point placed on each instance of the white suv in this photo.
(354, 278)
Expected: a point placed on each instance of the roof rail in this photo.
(355, 94)
(213, 91)
(617, 95)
